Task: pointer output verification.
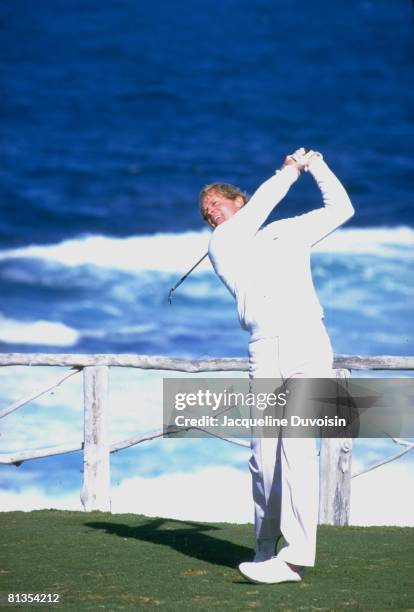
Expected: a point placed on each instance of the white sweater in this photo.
(268, 269)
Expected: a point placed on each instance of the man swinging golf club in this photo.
(267, 270)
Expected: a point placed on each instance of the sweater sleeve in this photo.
(315, 225)
(230, 239)
(249, 219)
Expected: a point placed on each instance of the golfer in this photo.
(267, 270)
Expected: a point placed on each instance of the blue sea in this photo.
(115, 114)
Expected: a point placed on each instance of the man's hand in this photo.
(301, 159)
(295, 159)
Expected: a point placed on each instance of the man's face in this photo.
(217, 208)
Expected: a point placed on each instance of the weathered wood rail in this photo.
(155, 362)
(335, 456)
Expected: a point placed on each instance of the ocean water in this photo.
(113, 117)
(116, 114)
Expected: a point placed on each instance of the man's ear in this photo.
(239, 202)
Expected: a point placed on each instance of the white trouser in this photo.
(285, 469)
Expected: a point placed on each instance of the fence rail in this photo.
(335, 455)
(156, 362)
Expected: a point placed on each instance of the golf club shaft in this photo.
(182, 279)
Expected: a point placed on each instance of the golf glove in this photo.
(304, 157)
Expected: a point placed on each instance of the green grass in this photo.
(128, 562)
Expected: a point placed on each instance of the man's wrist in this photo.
(316, 165)
(289, 170)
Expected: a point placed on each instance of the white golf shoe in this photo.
(271, 571)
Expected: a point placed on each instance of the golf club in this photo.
(182, 279)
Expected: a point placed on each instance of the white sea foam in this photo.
(37, 332)
(161, 252)
(383, 242)
(176, 252)
(222, 494)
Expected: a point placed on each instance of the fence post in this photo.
(95, 494)
(335, 476)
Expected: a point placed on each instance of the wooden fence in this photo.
(335, 455)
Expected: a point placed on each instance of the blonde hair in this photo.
(225, 189)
